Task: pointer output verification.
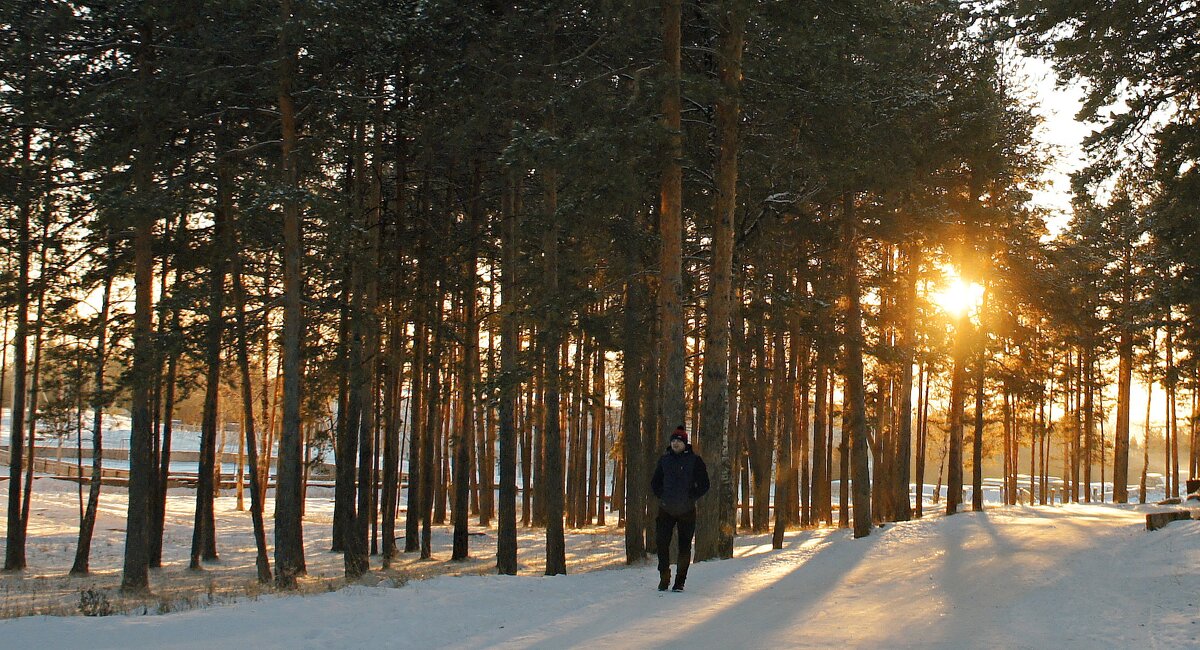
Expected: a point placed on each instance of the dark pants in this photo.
(665, 523)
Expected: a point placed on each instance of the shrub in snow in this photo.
(94, 603)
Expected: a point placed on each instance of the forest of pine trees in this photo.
(486, 255)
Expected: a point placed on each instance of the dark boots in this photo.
(680, 578)
(664, 579)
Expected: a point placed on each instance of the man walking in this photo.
(679, 480)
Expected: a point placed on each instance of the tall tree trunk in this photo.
(393, 452)
(954, 480)
(510, 349)
(855, 394)
(822, 505)
(977, 437)
(39, 322)
(348, 404)
(670, 228)
(652, 435)
(158, 512)
(633, 371)
(204, 540)
(394, 415)
(262, 562)
(289, 535)
(135, 576)
(908, 345)
(14, 553)
(1151, 359)
(1089, 420)
(432, 432)
(715, 530)
(556, 558)
(600, 434)
(417, 433)
(803, 442)
(1194, 425)
(1171, 426)
(786, 360)
(739, 373)
(1124, 384)
(537, 445)
(135, 572)
(368, 193)
(470, 365)
(487, 438)
(922, 440)
(412, 525)
(1124, 408)
(99, 400)
(760, 443)
(1077, 374)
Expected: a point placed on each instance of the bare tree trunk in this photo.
(537, 445)
(99, 401)
(977, 437)
(163, 453)
(289, 536)
(1172, 426)
(470, 365)
(739, 391)
(14, 552)
(135, 577)
(670, 227)
(855, 398)
(204, 540)
(908, 344)
(1077, 375)
(652, 434)
(556, 559)
(760, 443)
(486, 454)
(433, 426)
(393, 452)
(1194, 426)
(786, 361)
(135, 572)
(394, 415)
(634, 456)
(600, 424)
(526, 418)
(262, 562)
(1124, 384)
(1152, 358)
(715, 532)
(357, 559)
(345, 443)
(510, 348)
(572, 443)
(958, 380)
(922, 440)
(822, 503)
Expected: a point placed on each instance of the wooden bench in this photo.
(1156, 520)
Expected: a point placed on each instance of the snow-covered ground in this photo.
(1025, 577)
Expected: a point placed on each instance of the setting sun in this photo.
(959, 297)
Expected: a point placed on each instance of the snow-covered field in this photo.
(1025, 577)
(45, 587)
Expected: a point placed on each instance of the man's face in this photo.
(677, 445)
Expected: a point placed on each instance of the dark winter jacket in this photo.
(679, 480)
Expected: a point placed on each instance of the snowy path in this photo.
(1073, 577)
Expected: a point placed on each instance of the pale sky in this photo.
(1057, 106)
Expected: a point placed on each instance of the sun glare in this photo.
(959, 297)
